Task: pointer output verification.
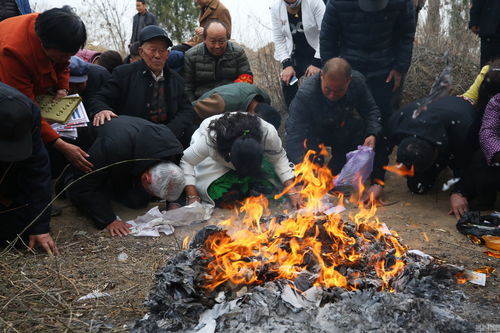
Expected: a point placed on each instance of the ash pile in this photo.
(373, 296)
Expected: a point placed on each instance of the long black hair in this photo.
(237, 138)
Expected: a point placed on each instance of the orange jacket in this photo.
(25, 66)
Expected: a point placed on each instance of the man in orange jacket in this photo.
(34, 56)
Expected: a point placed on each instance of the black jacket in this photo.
(485, 14)
(149, 19)
(121, 139)
(372, 42)
(130, 89)
(27, 182)
(313, 117)
(449, 125)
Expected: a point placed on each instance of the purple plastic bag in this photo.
(359, 164)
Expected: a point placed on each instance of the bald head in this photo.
(335, 78)
(215, 36)
(337, 68)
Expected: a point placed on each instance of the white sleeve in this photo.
(280, 49)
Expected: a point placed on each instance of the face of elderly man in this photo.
(155, 52)
(216, 39)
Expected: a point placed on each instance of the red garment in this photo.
(25, 66)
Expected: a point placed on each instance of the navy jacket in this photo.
(28, 182)
(129, 91)
(486, 15)
(313, 117)
(373, 42)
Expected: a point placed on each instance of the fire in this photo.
(256, 249)
(401, 169)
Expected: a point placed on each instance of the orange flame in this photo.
(185, 243)
(255, 249)
(401, 169)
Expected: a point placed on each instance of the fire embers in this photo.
(331, 252)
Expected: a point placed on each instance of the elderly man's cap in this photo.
(78, 69)
(16, 120)
(372, 5)
(153, 31)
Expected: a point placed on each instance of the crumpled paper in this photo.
(155, 221)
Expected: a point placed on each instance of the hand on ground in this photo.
(119, 228)
(458, 205)
(45, 241)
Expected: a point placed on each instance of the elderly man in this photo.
(142, 19)
(141, 157)
(25, 187)
(215, 62)
(35, 50)
(147, 88)
(335, 108)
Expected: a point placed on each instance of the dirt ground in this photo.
(40, 293)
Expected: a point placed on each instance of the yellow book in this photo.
(60, 110)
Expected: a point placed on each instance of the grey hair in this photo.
(167, 181)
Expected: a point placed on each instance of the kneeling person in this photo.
(239, 96)
(25, 188)
(142, 160)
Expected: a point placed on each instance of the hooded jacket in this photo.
(121, 139)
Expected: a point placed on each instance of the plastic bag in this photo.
(359, 164)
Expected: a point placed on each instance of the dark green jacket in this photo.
(203, 71)
(228, 98)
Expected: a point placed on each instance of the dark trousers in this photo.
(490, 47)
(482, 181)
(300, 66)
(382, 93)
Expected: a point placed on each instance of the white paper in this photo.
(335, 210)
(475, 277)
(155, 222)
(94, 294)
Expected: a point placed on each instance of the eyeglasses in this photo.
(217, 41)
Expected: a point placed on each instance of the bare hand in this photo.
(458, 205)
(287, 74)
(370, 141)
(119, 228)
(101, 117)
(45, 241)
(199, 31)
(311, 70)
(294, 196)
(475, 29)
(60, 93)
(74, 154)
(396, 76)
(375, 191)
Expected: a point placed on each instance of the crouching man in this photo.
(24, 173)
(140, 159)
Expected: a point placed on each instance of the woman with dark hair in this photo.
(35, 50)
(234, 155)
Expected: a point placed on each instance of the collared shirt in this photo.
(157, 78)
